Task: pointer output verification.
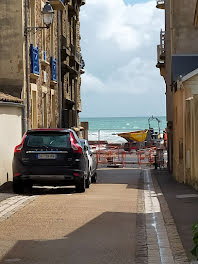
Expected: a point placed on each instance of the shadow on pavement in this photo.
(37, 190)
(108, 239)
(105, 176)
(6, 187)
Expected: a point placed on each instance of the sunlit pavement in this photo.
(118, 220)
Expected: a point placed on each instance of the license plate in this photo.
(46, 156)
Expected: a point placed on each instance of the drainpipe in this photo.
(60, 93)
(75, 98)
(76, 78)
(27, 125)
(11, 104)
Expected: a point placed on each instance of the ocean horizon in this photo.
(107, 128)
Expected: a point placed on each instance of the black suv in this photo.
(50, 157)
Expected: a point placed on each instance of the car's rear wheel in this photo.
(80, 187)
(88, 181)
(18, 187)
(94, 178)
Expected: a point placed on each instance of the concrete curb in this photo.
(177, 248)
(141, 237)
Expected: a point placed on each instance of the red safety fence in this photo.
(115, 156)
(146, 156)
(112, 156)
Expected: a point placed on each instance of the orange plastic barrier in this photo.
(113, 156)
(146, 156)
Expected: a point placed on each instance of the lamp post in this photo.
(48, 15)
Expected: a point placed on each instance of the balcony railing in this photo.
(64, 42)
(76, 54)
(73, 7)
(161, 49)
(160, 4)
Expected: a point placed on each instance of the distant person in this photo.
(165, 138)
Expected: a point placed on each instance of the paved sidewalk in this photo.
(10, 203)
(183, 204)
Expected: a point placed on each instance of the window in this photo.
(44, 106)
(53, 117)
(34, 106)
(71, 88)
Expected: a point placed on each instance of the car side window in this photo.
(89, 150)
(77, 138)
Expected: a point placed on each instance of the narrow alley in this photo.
(117, 220)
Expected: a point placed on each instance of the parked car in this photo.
(50, 157)
(92, 164)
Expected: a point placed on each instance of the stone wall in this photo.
(11, 47)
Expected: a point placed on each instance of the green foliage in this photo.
(194, 251)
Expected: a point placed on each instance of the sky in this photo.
(119, 41)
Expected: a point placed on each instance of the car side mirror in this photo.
(85, 148)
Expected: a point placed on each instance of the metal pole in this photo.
(27, 70)
(99, 143)
(60, 92)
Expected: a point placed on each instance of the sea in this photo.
(107, 128)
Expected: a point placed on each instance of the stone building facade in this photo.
(72, 63)
(177, 60)
(43, 72)
(50, 88)
(40, 71)
(178, 41)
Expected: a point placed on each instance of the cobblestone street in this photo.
(118, 220)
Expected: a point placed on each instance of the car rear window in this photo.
(48, 140)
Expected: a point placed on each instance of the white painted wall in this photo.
(10, 136)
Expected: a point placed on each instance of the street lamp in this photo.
(47, 14)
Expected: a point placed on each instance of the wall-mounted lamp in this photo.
(47, 14)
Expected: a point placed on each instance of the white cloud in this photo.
(119, 47)
(92, 83)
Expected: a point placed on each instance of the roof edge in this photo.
(9, 98)
(189, 75)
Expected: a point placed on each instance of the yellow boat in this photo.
(138, 136)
